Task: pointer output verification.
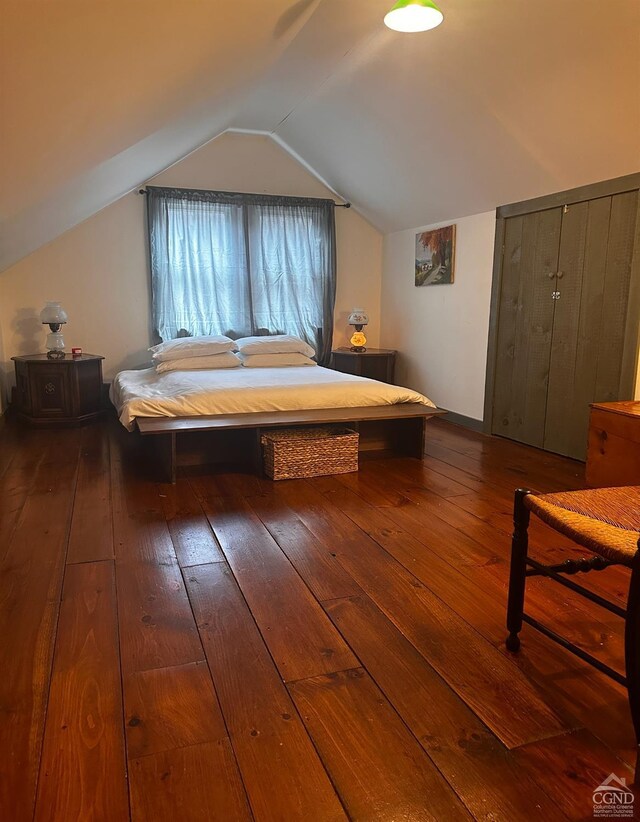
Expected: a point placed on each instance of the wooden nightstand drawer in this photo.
(374, 363)
(50, 390)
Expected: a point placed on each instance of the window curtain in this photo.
(242, 264)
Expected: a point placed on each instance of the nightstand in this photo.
(375, 363)
(58, 392)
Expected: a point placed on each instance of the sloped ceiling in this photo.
(98, 95)
(507, 99)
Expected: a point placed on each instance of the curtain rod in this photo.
(337, 205)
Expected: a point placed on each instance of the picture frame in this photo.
(435, 256)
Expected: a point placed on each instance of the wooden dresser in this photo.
(613, 456)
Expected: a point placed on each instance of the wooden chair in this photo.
(606, 521)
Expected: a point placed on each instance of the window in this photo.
(242, 264)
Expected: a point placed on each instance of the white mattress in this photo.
(246, 390)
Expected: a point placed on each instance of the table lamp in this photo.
(55, 317)
(358, 318)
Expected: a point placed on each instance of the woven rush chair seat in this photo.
(604, 520)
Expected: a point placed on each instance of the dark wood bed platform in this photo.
(181, 441)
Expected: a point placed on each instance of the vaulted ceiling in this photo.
(507, 99)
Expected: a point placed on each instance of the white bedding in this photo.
(247, 390)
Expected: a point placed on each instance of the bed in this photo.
(236, 404)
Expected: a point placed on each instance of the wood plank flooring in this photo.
(230, 648)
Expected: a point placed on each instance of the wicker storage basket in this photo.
(290, 453)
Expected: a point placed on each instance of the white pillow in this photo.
(225, 360)
(274, 360)
(276, 344)
(192, 347)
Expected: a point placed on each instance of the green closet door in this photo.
(592, 288)
(525, 323)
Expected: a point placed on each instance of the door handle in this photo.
(560, 274)
(551, 275)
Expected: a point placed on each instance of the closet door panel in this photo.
(564, 314)
(504, 420)
(566, 324)
(616, 292)
(588, 351)
(527, 351)
(525, 322)
(588, 336)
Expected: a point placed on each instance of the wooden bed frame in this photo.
(179, 441)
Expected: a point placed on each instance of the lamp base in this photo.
(360, 349)
(55, 344)
(358, 340)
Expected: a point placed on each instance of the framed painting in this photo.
(435, 256)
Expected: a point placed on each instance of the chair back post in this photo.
(518, 568)
(632, 653)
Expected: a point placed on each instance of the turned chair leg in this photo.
(632, 653)
(517, 572)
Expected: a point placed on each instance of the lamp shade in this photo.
(358, 317)
(53, 313)
(414, 15)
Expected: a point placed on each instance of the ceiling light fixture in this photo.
(414, 15)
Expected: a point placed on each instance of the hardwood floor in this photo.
(232, 648)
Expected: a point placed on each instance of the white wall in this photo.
(99, 270)
(440, 331)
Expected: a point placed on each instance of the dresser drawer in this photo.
(613, 455)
